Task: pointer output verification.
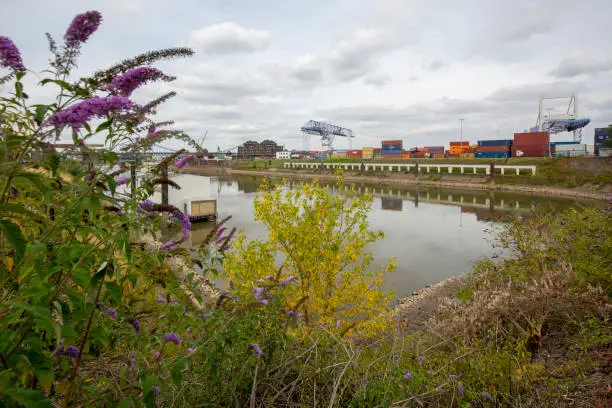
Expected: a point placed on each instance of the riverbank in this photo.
(477, 183)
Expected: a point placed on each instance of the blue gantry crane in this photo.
(327, 132)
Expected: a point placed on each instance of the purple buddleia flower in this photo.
(460, 388)
(270, 277)
(260, 281)
(172, 337)
(168, 245)
(135, 325)
(219, 232)
(321, 325)
(183, 219)
(291, 313)
(10, 57)
(112, 312)
(408, 376)
(300, 315)
(264, 302)
(14, 192)
(161, 299)
(91, 176)
(257, 349)
(102, 305)
(487, 396)
(180, 163)
(156, 354)
(206, 315)
(145, 205)
(127, 82)
(155, 389)
(453, 377)
(122, 181)
(188, 330)
(191, 350)
(258, 292)
(132, 358)
(72, 351)
(288, 280)
(59, 351)
(421, 360)
(120, 213)
(80, 113)
(82, 27)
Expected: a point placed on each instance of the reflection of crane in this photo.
(327, 132)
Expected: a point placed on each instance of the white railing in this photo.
(407, 166)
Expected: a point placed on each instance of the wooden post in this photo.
(492, 172)
(133, 177)
(416, 169)
(164, 188)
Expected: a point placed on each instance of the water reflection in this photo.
(433, 234)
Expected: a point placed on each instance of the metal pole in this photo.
(164, 189)
(461, 124)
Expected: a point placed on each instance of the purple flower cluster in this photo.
(153, 132)
(172, 337)
(257, 349)
(82, 27)
(408, 376)
(122, 181)
(184, 220)
(146, 205)
(127, 82)
(258, 292)
(80, 113)
(180, 163)
(168, 245)
(69, 351)
(135, 325)
(287, 281)
(10, 57)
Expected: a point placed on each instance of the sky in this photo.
(387, 69)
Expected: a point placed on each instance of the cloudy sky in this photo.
(387, 69)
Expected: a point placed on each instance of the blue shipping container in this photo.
(563, 143)
(392, 149)
(498, 142)
(491, 155)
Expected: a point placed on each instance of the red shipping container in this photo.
(494, 149)
(459, 143)
(438, 155)
(392, 142)
(377, 150)
(531, 138)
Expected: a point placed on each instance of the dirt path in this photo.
(475, 183)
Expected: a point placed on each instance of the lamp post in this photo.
(461, 127)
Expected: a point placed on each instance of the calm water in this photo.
(433, 234)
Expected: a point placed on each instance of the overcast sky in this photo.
(387, 69)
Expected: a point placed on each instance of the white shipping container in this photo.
(571, 148)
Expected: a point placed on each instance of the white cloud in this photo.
(581, 64)
(228, 38)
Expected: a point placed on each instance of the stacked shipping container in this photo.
(392, 149)
(531, 144)
(459, 147)
(354, 154)
(601, 135)
(367, 153)
(493, 149)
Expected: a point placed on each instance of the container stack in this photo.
(353, 154)
(340, 154)
(435, 152)
(601, 135)
(459, 147)
(392, 149)
(531, 144)
(493, 149)
(377, 152)
(367, 153)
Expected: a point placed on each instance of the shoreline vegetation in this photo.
(479, 183)
(100, 305)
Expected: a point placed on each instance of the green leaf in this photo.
(14, 236)
(125, 403)
(40, 112)
(177, 372)
(82, 278)
(20, 74)
(38, 180)
(62, 84)
(104, 125)
(19, 209)
(26, 398)
(19, 89)
(114, 291)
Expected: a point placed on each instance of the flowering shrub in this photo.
(94, 308)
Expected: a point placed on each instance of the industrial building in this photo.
(266, 150)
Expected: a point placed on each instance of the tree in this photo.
(319, 240)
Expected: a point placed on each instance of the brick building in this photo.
(266, 149)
